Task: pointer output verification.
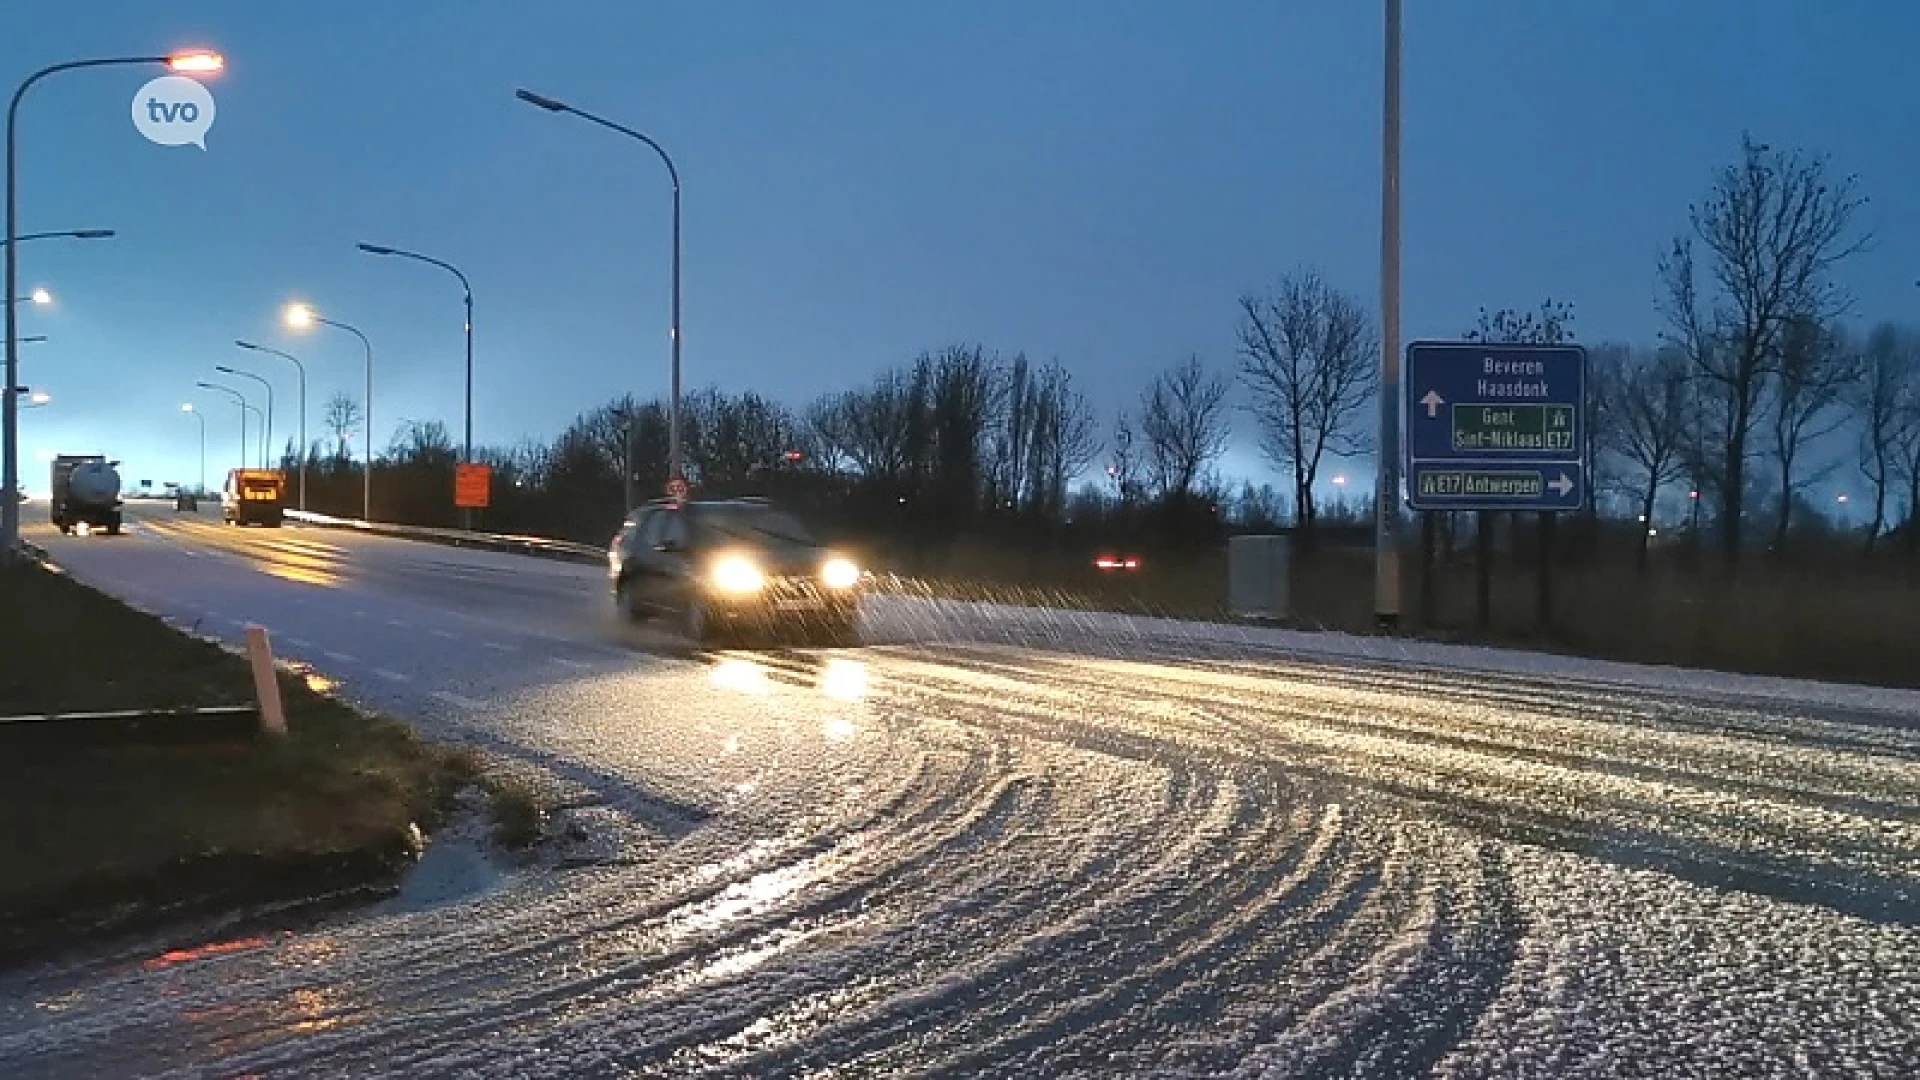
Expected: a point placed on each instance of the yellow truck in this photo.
(254, 497)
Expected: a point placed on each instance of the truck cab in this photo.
(254, 497)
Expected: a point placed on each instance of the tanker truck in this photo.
(86, 491)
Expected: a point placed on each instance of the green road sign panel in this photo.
(1485, 426)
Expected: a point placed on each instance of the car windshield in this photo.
(755, 524)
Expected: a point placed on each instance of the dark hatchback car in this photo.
(718, 568)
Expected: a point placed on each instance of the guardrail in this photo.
(540, 546)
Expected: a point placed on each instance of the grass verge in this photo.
(107, 826)
(1846, 621)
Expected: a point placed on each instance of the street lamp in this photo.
(676, 474)
(300, 317)
(195, 62)
(187, 407)
(467, 287)
(38, 296)
(38, 399)
(302, 369)
(240, 400)
(1386, 577)
(70, 234)
(266, 438)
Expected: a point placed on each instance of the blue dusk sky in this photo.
(1092, 180)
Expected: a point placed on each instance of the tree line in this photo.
(1756, 374)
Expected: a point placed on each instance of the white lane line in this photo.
(392, 676)
(298, 642)
(448, 634)
(340, 657)
(397, 622)
(459, 701)
(577, 665)
(500, 646)
(359, 614)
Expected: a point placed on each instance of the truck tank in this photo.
(94, 483)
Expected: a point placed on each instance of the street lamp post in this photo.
(675, 471)
(266, 437)
(187, 407)
(71, 234)
(193, 62)
(300, 316)
(302, 369)
(1386, 582)
(466, 454)
(240, 400)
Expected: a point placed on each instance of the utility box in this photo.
(1259, 576)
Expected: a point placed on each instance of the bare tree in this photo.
(1906, 464)
(1183, 416)
(1064, 439)
(1877, 405)
(1308, 356)
(1772, 229)
(1125, 468)
(1816, 366)
(1651, 408)
(1552, 325)
(342, 417)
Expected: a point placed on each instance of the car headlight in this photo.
(840, 574)
(735, 574)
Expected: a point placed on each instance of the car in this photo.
(718, 568)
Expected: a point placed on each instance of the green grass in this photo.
(117, 822)
(1842, 619)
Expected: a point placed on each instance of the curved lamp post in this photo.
(675, 471)
(240, 400)
(198, 62)
(299, 317)
(187, 407)
(302, 369)
(266, 437)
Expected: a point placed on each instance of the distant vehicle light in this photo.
(840, 574)
(736, 574)
(1116, 562)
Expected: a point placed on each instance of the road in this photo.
(965, 849)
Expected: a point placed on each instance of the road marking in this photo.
(577, 665)
(448, 634)
(499, 646)
(340, 657)
(392, 675)
(359, 614)
(459, 701)
(298, 643)
(396, 622)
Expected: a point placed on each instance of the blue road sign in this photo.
(1496, 427)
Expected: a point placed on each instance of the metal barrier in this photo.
(543, 547)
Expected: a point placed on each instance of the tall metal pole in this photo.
(198, 415)
(1387, 525)
(9, 408)
(366, 475)
(466, 287)
(266, 437)
(302, 370)
(675, 460)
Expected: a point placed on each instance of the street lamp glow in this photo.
(197, 62)
(299, 316)
(40, 397)
(41, 296)
(186, 406)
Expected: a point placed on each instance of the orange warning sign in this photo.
(472, 486)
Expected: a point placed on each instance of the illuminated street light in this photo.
(302, 316)
(199, 61)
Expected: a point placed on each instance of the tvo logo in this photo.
(174, 110)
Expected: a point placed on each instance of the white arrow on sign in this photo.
(1563, 485)
(1433, 401)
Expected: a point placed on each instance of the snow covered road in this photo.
(1033, 844)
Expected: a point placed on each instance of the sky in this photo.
(1096, 181)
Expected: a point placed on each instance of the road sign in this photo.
(472, 486)
(677, 488)
(1496, 427)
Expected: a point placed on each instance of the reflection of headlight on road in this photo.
(735, 574)
(840, 574)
